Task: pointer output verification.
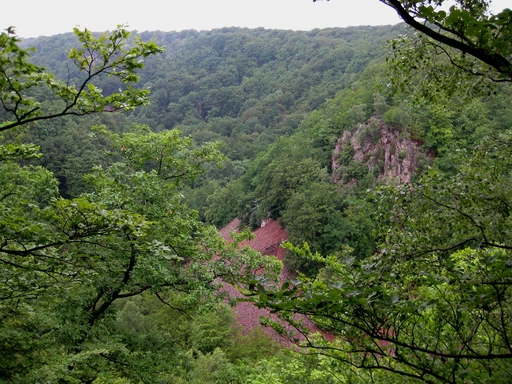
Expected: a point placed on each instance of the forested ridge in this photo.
(244, 88)
(119, 170)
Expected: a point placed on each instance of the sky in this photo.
(33, 18)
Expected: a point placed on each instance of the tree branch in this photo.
(496, 61)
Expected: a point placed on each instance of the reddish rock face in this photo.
(267, 240)
(375, 145)
(380, 146)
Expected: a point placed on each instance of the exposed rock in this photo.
(267, 240)
(385, 150)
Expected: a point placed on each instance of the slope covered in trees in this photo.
(81, 277)
(110, 269)
(244, 88)
(103, 259)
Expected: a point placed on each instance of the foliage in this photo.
(30, 94)
(117, 281)
(327, 221)
(281, 179)
(458, 47)
(222, 204)
(433, 303)
(66, 263)
(244, 88)
(258, 79)
(296, 368)
(131, 234)
(308, 212)
(257, 344)
(105, 55)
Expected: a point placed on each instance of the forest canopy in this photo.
(69, 265)
(389, 170)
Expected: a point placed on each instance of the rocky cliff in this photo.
(381, 150)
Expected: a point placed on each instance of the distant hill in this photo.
(245, 88)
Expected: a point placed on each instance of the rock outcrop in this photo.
(378, 148)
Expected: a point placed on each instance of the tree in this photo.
(468, 27)
(281, 179)
(105, 55)
(67, 262)
(459, 44)
(463, 50)
(319, 215)
(433, 303)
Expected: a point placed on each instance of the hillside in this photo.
(243, 88)
(267, 240)
(389, 178)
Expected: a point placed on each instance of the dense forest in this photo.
(384, 154)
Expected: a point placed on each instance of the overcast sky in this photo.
(48, 17)
(34, 18)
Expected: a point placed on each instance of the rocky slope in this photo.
(267, 240)
(382, 150)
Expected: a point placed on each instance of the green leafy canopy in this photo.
(66, 264)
